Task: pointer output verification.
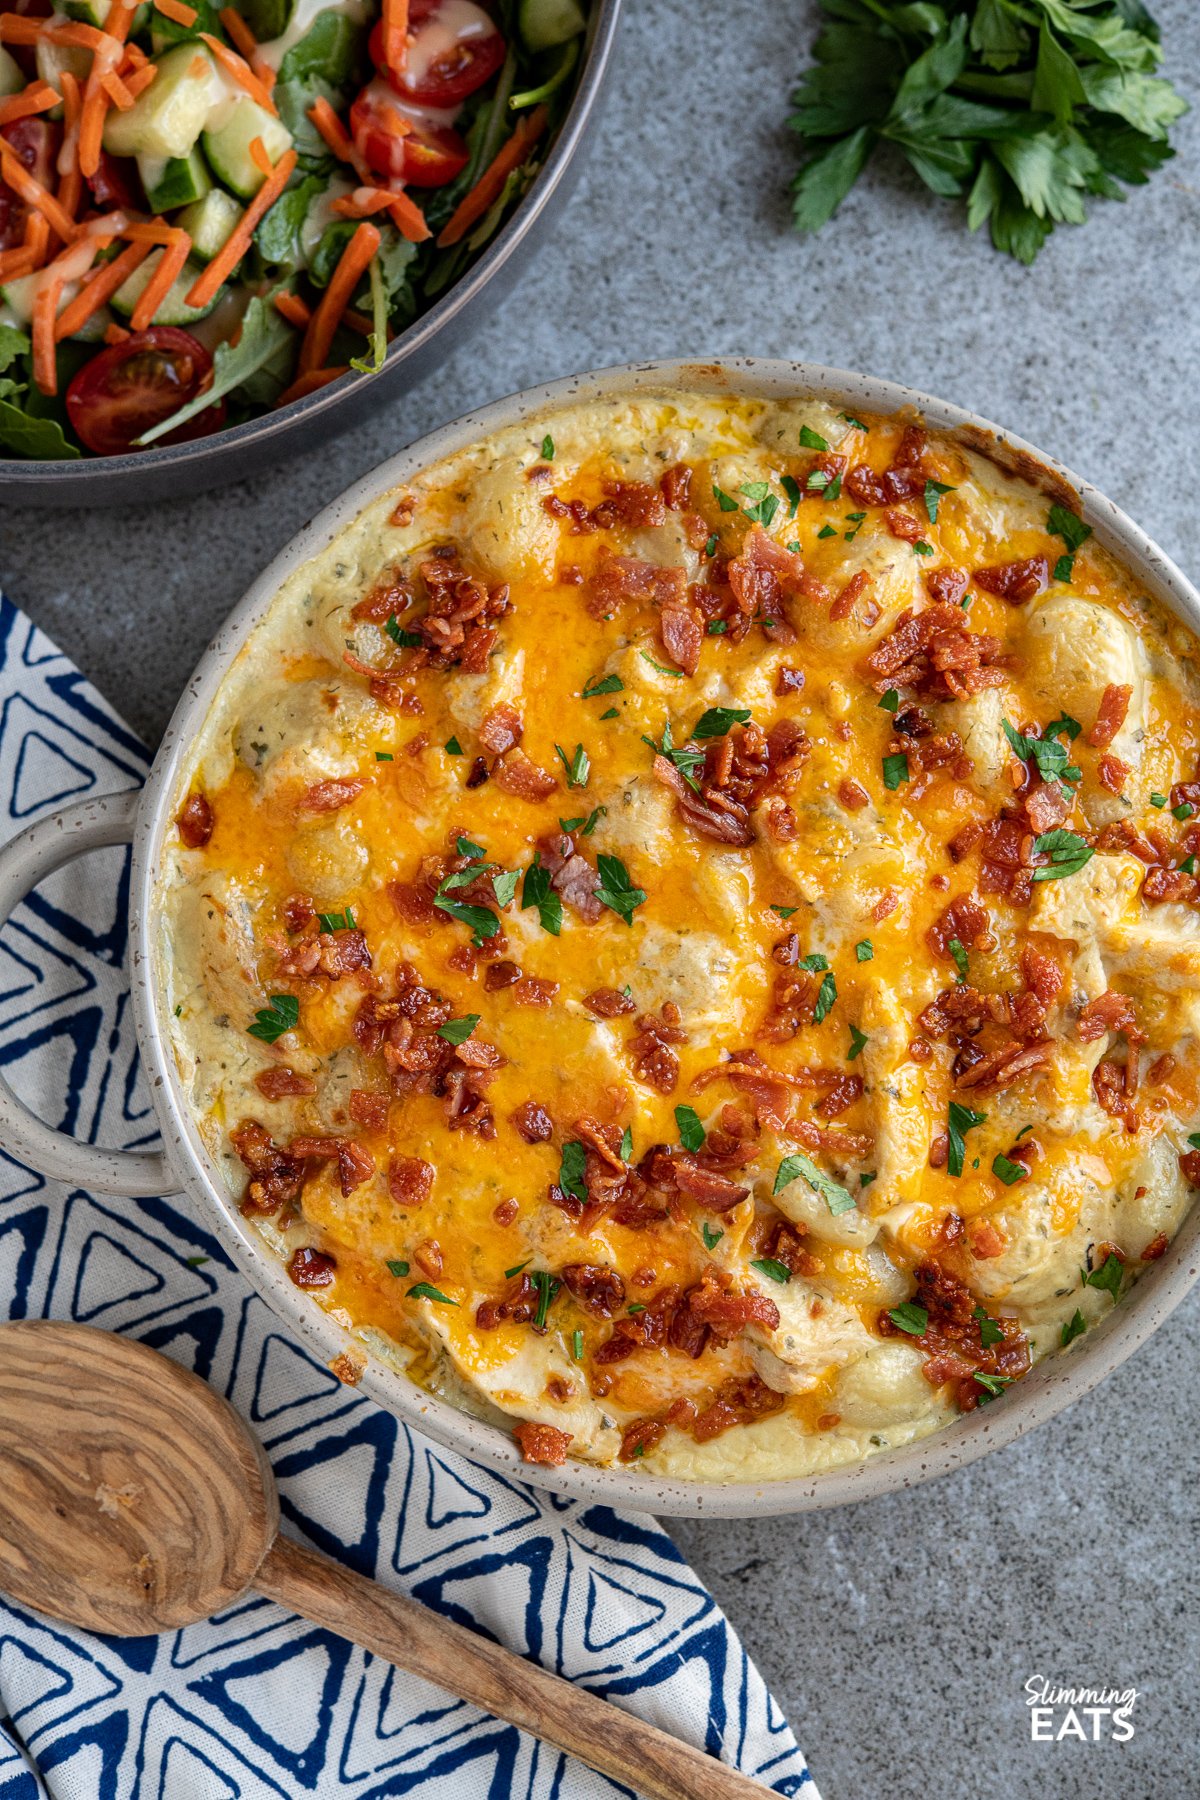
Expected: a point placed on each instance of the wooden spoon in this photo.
(133, 1500)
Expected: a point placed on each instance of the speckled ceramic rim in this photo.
(1050, 1387)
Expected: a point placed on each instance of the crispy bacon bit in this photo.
(410, 1180)
(618, 580)
(739, 1401)
(1112, 772)
(853, 797)
(505, 1214)
(947, 586)
(311, 1268)
(281, 1084)
(1163, 885)
(640, 1436)
(849, 596)
(1046, 805)
(1109, 1011)
(609, 1003)
(1115, 1085)
(1189, 1162)
(501, 729)
(1015, 582)
(195, 821)
(937, 654)
(390, 600)
(727, 1314)
(477, 774)
(902, 525)
(571, 874)
(500, 975)
(533, 1123)
(368, 1109)
(518, 1305)
(764, 577)
(650, 1048)
(885, 906)
(599, 1290)
(740, 768)
(329, 953)
(676, 486)
(276, 1177)
(963, 919)
(524, 779)
(532, 990)
(986, 1240)
(330, 796)
(1156, 1248)
(953, 1339)
(788, 681)
(458, 628)
(1114, 705)
(542, 1443)
(681, 634)
(355, 1164)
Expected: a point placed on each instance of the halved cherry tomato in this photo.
(136, 384)
(401, 144)
(454, 47)
(117, 182)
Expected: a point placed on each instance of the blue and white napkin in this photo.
(256, 1704)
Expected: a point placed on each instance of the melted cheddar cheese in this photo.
(682, 930)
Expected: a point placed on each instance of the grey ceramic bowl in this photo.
(243, 449)
(144, 820)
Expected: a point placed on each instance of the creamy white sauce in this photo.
(304, 13)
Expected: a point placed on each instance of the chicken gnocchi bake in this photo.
(682, 930)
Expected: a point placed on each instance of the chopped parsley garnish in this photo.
(1107, 1276)
(548, 448)
(635, 1308)
(835, 1197)
(1159, 800)
(992, 1384)
(516, 1268)
(717, 627)
(814, 962)
(763, 503)
(718, 720)
(820, 481)
(1064, 568)
(612, 713)
(895, 770)
(536, 891)
(384, 756)
(608, 684)
(504, 886)
(785, 912)
(961, 1120)
(1188, 865)
(725, 501)
(626, 1150)
(587, 821)
(616, 891)
(1008, 1171)
(811, 440)
(578, 766)
(1074, 1327)
(571, 1168)
(989, 1332)
(933, 493)
(864, 950)
(1183, 811)
(546, 1287)
(661, 667)
(424, 1291)
(710, 550)
(890, 702)
(472, 851)
(962, 961)
(711, 1238)
(1049, 754)
(865, 1180)
(791, 488)
(691, 1131)
(1067, 525)
(481, 919)
(457, 1031)
(407, 639)
(910, 1317)
(827, 531)
(775, 1271)
(453, 747)
(855, 519)
(1067, 851)
(826, 995)
(858, 1042)
(921, 548)
(577, 1344)
(343, 921)
(270, 1022)
(397, 1267)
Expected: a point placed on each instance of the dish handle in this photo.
(56, 839)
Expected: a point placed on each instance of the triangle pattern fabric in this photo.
(255, 1704)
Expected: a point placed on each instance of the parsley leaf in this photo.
(616, 891)
(547, 448)
(397, 1267)
(270, 1022)
(775, 1271)
(812, 440)
(1008, 1171)
(578, 766)
(661, 667)
(453, 747)
(991, 1384)
(536, 891)
(791, 488)
(398, 635)
(1068, 526)
(691, 1131)
(835, 1197)
(864, 950)
(1067, 851)
(572, 1165)
(858, 1042)
(481, 919)
(725, 501)
(1107, 1276)
(343, 921)
(425, 1291)
(933, 493)
(1049, 755)
(504, 886)
(608, 684)
(1074, 1327)
(457, 1031)
(962, 961)
(961, 1120)
(989, 1332)
(895, 770)
(711, 1238)
(764, 504)
(686, 761)
(718, 720)
(910, 1317)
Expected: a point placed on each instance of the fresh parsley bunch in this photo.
(1026, 107)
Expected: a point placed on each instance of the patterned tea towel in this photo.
(256, 1704)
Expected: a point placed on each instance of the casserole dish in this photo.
(149, 821)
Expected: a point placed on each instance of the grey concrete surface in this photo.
(898, 1634)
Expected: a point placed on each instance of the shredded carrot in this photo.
(395, 34)
(140, 80)
(70, 182)
(148, 231)
(116, 90)
(309, 383)
(35, 195)
(365, 202)
(241, 71)
(135, 58)
(490, 185)
(176, 10)
(169, 269)
(37, 238)
(14, 263)
(259, 157)
(336, 298)
(408, 219)
(38, 97)
(238, 242)
(237, 29)
(296, 311)
(361, 204)
(332, 130)
(114, 334)
(45, 309)
(15, 28)
(100, 289)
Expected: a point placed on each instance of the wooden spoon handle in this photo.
(408, 1634)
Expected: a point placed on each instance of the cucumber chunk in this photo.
(176, 182)
(167, 117)
(267, 19)
(545, 23)
(164, 32)
(227, 145)
(173, 308)
(94, 12)
(209, 222)
(11, 79)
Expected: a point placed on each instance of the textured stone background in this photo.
(897, 1633)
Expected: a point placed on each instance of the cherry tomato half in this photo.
(454, 47)
(402, 145)
(136, 384)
